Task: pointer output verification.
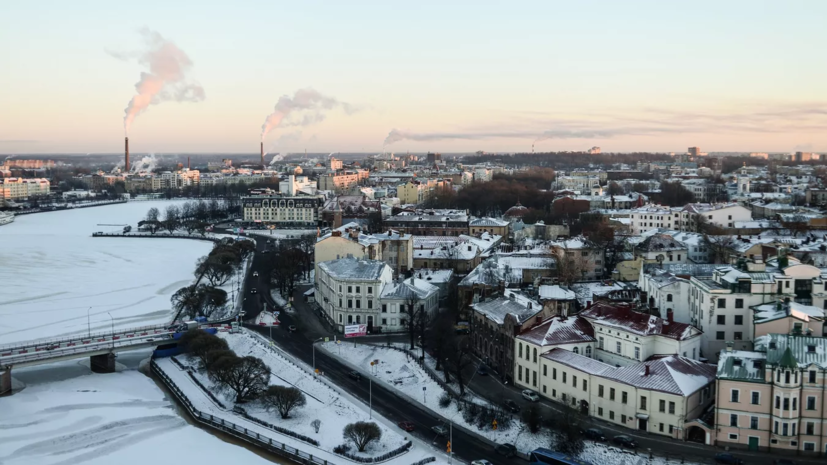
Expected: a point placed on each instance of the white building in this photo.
(22, 188)
(295, 185)
(289, 211)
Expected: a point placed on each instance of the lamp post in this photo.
(113, 329)
(88, 324)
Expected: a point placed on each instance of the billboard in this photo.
(356, 330)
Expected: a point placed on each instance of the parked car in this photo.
(727, 459)
(355, 375)
(594, 434)
(507, 450)
(481, 462)
(440, 430)
(528, 394)
(482, 370)
(253, 291)
(625, 441)
(511, 406)
(406, 425)
(255, 274)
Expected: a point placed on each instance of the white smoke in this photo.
(305, 107)
(276, 158)
(165, 80)
(145, 165)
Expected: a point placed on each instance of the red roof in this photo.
(557, 330)
(623, 317)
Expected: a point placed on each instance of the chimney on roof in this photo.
(670, 316)
(336, 233)
(646, 370)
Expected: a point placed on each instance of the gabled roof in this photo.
(354, 269)
(558, 330)
(409, 288)
(519, 306)
(623, 317)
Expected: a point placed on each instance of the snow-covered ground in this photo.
(333, 409)
(267, 319)
(281, 233)
(53, 272)
(407, 377)
(67, 415)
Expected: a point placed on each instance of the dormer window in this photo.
(758, 365)
(811, 348)
(773, 345)
(736, 362)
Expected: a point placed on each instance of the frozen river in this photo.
(56, 279)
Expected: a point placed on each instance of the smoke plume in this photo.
(305, 107)
(165, 78)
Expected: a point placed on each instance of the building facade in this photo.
(286, 211)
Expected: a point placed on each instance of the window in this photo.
(661, 427)
(753, 422)
(350, 289)
(739, 303)
(349, 303)
(777, 402)
(785, 429)
(384, 308)
(810, 446)
(384, 321)
(520, 350)
(662, 406)
(756, 398)
(721, 303)
(637, 353)
(812, 376)
(668, 297)
(623, 418)
(721, 319)
(574, 381)
(811, 427)
(672, 408)
(624, 397)
(720, 335)
(545, 370)
(738, 335)
(585, 385)
(811, 403)
(671, 429)
(643, 402)
(544, 389)
(588, 351)
(739, 319)
(611, 393)
(554, 373)
(535, 355)
(358, 289)
(358, 303)
(734, 395)
(787, 377)
(786, 403)
(795, 403)
(519, 373)
(600, 411)
(370, 304)
(370, 289)
(733, 436)
(600, 343)
(599, 390)
(554, 393)
(576, 350)
(340, 302)
(619, 348)
(349, 319)
(611, 415)
(775, 428)
(733, 420)
(534, 378)
(564, 377)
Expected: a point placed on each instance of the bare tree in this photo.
(245, 376)
(459, 358)
(362, 433)
(205, 345)
(720, 248)
(172, 218)
(283, 399)
(568, 425)
(570, 265)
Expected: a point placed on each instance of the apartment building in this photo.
(22, 188)
(687, 218)
(660, 396)
(489, 225)
(772, 398)
(393, 248)
(283, 210)
(341, 181)
(430, 222)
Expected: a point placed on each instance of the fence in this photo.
(160, 236)
(232, 429)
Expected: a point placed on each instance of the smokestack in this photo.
(126, 156)
(262, 154)
(188, 162)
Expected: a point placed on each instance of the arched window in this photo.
(576, 350)
(668, 297)
(589, 351)
(520, 349)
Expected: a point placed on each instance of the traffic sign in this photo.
(494, 424)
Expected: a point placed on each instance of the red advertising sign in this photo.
(356, 330)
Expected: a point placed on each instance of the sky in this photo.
(448, 76)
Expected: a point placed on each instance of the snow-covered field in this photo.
(69, 416)
(53, 272)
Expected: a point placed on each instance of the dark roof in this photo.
(623, 317)
(559, 330)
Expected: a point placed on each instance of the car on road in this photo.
(511, 406)
(440, 430)
(406, 425)
(255, 274)
(783, 462)
(594, 434)
(528, 394)
(482, 370)
(625, 441)
(355, 375)
(508, 450)
(253, 291)
(292, 328)
(481, 462)
(727, 459)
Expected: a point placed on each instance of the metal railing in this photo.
(25, 345)
(162, 236)
(80, 350)
(240, 432)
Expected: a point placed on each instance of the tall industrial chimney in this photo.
(262, 155)
(188, 162)
(126, 156)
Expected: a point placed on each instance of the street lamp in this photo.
(113, 329)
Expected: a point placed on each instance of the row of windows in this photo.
(357, 319)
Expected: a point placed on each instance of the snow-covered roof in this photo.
(624, 318)
(434, 276)
(776, 310)
(558, 330)
(354, 269)
(513, 303)
(408, 288)
(660, 243)
(673, 374)
(493, 222)
(555, 292)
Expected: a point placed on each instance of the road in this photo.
(466, 447)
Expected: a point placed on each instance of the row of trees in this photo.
(192, 216)
(290, 261)
(200, 299)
